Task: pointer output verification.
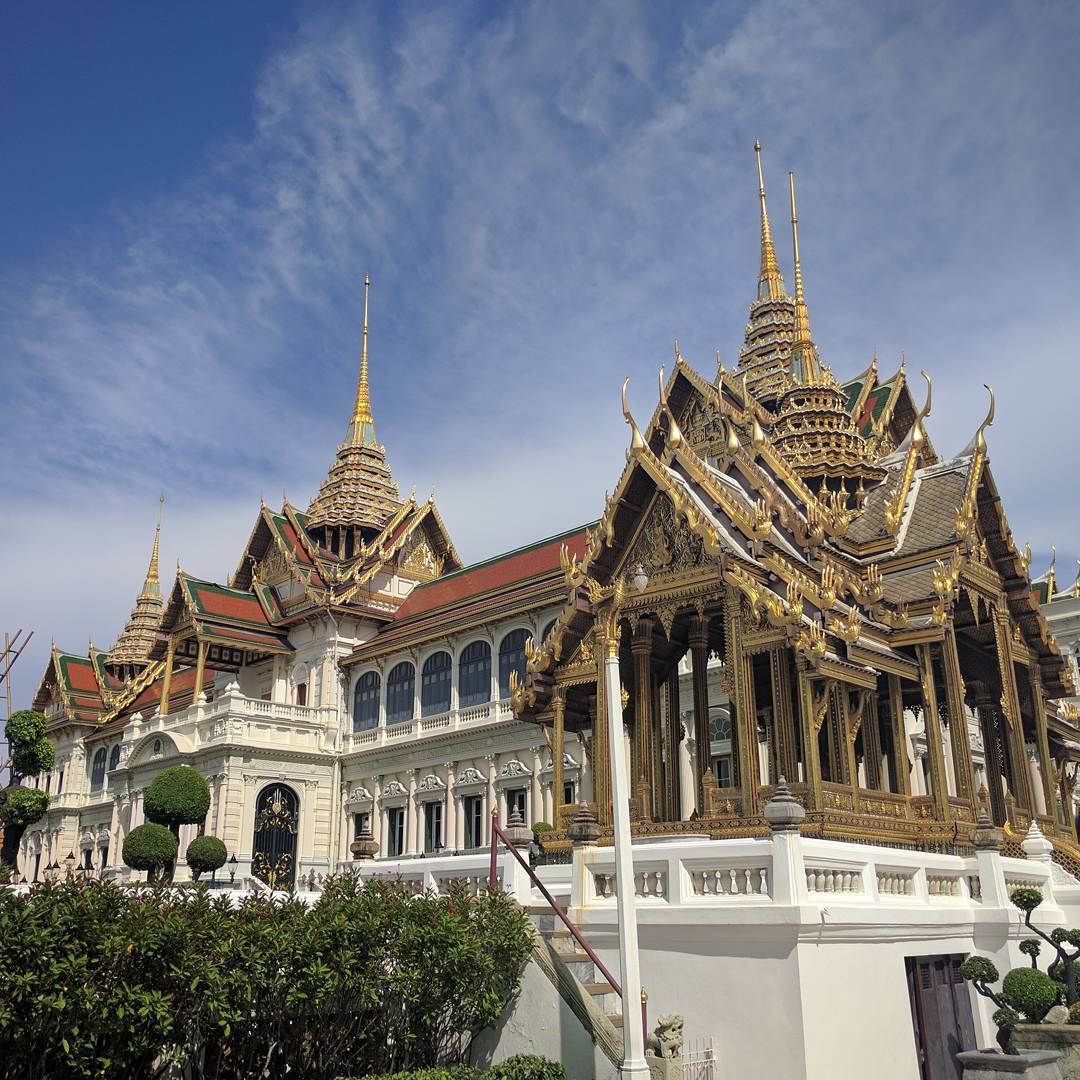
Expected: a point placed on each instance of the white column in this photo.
(687, 787)
(549, 801)
(376, 810)
(451, 811)
(1036, 779)
(536, 802)
(491, 803)
(633, 1037)
(410, 817)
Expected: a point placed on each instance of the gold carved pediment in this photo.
(663, 546)
(703, 427)
(418, 557)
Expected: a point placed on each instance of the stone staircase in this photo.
(575, 976)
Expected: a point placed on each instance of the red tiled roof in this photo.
(499, 572)
(80, 674)
(183, 680)
(229, 604)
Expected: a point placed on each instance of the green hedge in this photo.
(97, 981)
(521, 1067)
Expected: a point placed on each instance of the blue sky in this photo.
(545, 196)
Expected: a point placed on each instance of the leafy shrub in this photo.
(206, 854)
(149, 847)
(1031, 947)
(446, 1072)
(24, 806)
(6, 873)
(25, 726)
(177, 796)
(526, 1067)
(102, 982)
(33, 758)
(1026, 899)
(1030, 992)
(541, 827)
(1074, 1013)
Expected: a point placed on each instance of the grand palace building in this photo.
(795, 581)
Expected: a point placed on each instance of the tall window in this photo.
(301, 693)
(395, 831)
(400, 691)
(473, 807)
(435, 684)
(511, 658)
(366, 702)
(114, 757)
(97, 771)
(474, 675)
(432, 826)
(517, 799)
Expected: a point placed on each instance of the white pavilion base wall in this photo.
(788, 953)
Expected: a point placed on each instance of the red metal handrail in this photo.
(493, 883)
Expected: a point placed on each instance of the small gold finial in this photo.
(770, 281)
(152, 584)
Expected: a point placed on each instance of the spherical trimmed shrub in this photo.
(25, 726)
(149, 847)
(1030, 992)
(23, 806)
(33, 758)
(1026, 899)
(206, 854)
(177, 796)
(979, 969)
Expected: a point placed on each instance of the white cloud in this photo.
(545, 197)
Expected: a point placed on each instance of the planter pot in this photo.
(1065, 1038)
(1032, 1064)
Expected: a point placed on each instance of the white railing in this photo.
(790, 869)
(490, 712)
(440, 873)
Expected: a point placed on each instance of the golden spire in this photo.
(770, 281)
(361, 430)
(152, 585)
(802, 347)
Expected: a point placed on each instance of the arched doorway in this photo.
(277, 819)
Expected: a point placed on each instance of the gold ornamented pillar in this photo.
(643, 699)
(901, 765)
(871, 741)
(744, 725)
(599, 756)
(1042, 744)
(958, 727)
(166, 685)
(990, 725)
(932, 724)
(699, 658)
(200, 670)
(783, 721)
(558, 708)
(674, 737)
(810, 725)
(1010, 705)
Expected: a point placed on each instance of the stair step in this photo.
(598, 989)
(616, 1019)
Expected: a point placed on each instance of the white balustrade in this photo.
(895, 882)
(730, 881)
(943, 885)
(828, 879)
(490, 712)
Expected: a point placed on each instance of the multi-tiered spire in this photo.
(359, 495)
(132, 649)
(765, 356)
(804, 365)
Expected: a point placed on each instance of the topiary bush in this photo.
(205, 854)
(31, 753)
(177, 796)
(23, 806)
(526, 1067)
(25, 726)
(1031, 992)
(33, 758)
(149, 847)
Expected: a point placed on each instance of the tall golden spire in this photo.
(361, 429)
(802, 347)
(770, 281)
(152, 585)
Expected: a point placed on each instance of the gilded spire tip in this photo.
(770, 281)
(362, 425)
(801, 344)
(152, 584)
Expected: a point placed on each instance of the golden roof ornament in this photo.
(359, 492)
(770, 281)
(132, 648)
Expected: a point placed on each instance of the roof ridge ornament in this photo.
(802, 345)
(361, 430)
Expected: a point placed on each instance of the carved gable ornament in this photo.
(394, 789)
(471, 776)
(359, 794)
(664, 546)
(704, 428)
(431, 783)
(418, 557)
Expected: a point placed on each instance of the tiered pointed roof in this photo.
(137, 638)
(359, 492)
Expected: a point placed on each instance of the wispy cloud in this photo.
(546, 196)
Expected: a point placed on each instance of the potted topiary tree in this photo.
(177, 796)
(205, 854)
(31, 754)
(150, 847)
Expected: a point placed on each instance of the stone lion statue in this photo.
(667, 1040)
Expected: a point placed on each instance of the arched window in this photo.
(97, 771)
(474, 675)
(114, 757)
(400, 690)
(366, 702)
(435, 684)
(511, 658)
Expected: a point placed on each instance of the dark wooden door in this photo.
(940, 1014)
